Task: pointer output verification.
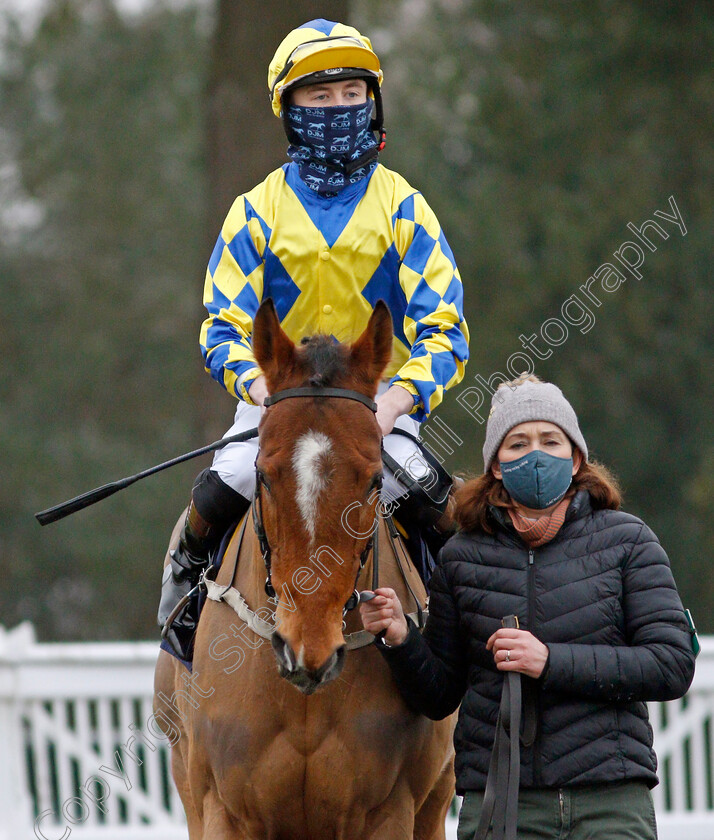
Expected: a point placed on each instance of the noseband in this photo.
(322, 393)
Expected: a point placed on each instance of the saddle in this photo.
(196, 598)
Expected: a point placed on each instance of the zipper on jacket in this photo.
(531, 591)
(537, 770)
(561, 803)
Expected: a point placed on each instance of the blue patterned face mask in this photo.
(338, 146)
(538, 479)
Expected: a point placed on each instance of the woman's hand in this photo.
(384, 612)
(518, 650)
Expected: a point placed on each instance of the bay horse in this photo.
(298, 740)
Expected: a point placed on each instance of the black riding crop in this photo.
(86, 499)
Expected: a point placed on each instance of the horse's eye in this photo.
(261, 479)
(375, 484)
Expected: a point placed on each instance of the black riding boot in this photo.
(428, 525)
(188, 560)
(220, 507)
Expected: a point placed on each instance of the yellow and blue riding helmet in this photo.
(322, 50)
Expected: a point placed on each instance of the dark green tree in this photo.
(104, 116)
(538, 131)
(130, 136)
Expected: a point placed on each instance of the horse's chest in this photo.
(268, 738)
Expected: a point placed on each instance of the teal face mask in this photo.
(537, 480)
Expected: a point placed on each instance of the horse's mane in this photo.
(325, 358)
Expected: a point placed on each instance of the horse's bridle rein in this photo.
(265, 550)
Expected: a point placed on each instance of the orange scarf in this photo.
(537, 532)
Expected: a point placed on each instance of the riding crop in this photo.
(93, 496)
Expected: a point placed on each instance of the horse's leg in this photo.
(217, 824)
(180, 775)
(164, 683)
(430, 819)
(390, 823)
(174, 729)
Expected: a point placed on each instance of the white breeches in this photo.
(235, 463)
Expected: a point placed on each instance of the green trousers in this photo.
(617, 811)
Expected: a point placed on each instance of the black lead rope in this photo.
(500, 800)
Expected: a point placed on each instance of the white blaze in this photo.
(311, 465)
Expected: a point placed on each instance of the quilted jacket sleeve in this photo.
(656, 661)
(430, 670)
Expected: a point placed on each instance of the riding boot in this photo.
(428, 526)
(220, 506)
(187, 562)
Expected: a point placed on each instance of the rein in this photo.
(265, 629)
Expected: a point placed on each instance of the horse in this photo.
(298, 738)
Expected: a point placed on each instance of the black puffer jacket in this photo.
(602, 598)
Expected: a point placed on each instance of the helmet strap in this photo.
(378, 119)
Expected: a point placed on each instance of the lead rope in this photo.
(500, 799)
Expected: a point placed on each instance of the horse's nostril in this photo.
(332, 667)
(283, 652)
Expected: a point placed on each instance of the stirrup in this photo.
(179, 608)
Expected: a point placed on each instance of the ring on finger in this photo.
(508, 656)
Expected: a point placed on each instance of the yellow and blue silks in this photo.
(325, 262)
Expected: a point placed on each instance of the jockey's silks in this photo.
(334, 139)
(326, 262)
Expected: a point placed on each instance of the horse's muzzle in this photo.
(306, 680)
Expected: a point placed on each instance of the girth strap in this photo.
(500, 800)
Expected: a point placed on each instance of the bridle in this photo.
(265, 550)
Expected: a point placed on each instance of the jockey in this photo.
(325, 236)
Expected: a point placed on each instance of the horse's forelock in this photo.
(326, 360)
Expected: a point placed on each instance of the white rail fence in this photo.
(81, 754)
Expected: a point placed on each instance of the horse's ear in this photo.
(274, 351)
(372, 351)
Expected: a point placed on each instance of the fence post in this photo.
(15, 807)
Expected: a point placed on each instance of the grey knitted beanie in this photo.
(512, 405)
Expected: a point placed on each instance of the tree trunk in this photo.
(245, 140)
